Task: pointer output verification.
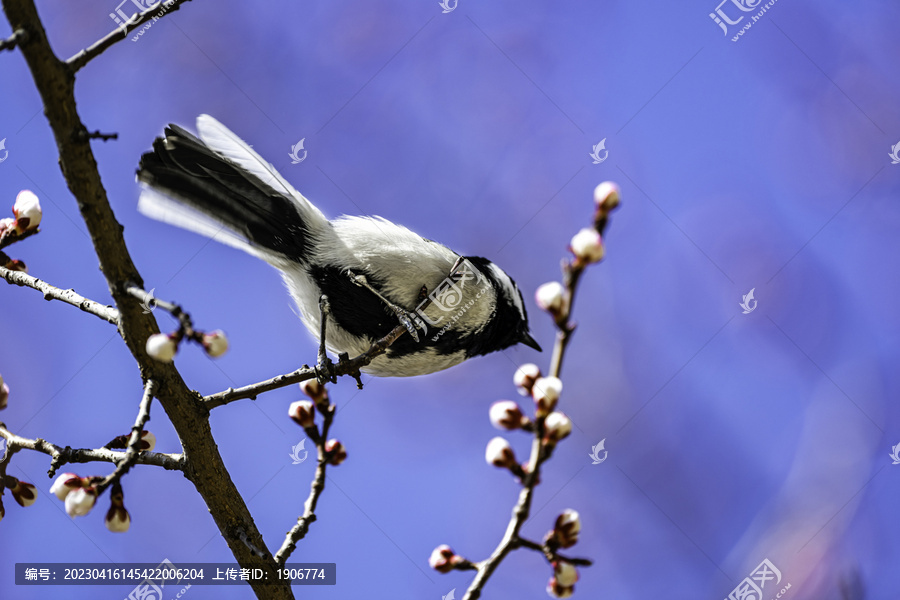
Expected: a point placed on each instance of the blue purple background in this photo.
(732, 438)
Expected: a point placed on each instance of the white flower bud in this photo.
(303, 413)
(27, 210)
(546, 393)
(587, 246)
(215, 343)
(550, 297)
(557, 426)
(441, 559)
(499, 453)
(567, 528)
(148, 441)
(24, 493)
(506, 414)
(117, 519)
(7, 223)
(559, 591)
(80, 502)
(525, 377)
(606, 195)
(4, 393)
(315, 390)
(336, 452)
(64, 484)
(162, 347)
(565, 573)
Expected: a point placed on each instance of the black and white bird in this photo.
(372, 271)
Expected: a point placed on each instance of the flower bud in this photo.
(162, 347)
(506, 414)
(499, 453)
(315, 390)
(606, 195)
(6, 224)
(4, 393)
(147, 441)
(442, 559)
(550, 297)
(546, 393)
(525, 377)
(64, 484)
(587, 246)
(16, 265)
(567, 528)
(303, 413)
(215, 343)
(27, 210)
(24, 493)
(557, 426)
(335, 452)
(559, 591)
(117, 518)
(80, 502)
(565, 573)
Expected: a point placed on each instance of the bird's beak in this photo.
(530, 342)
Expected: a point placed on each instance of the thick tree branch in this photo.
(99, 47)
(55, 81)
(64, 455)
(107, 313)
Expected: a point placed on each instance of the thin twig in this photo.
(107, 313)
(19, 36)
(64, 455)
(97, 48)
(133, 450)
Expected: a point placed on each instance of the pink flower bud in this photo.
(162, 347)
(442, 559)
(525, 377)
(499, 453)
(335, 452)
(546, 393)
(24, 493)
(215, 343)
(4, 393)
(148, 441)
(117, 518)
(559, 591)
(565, 573)
(606, 195)
(27, 210)
(506, 414)
(567, 528)
(80, 502)
(64, 484)
(315, 390)
(587, 246)
(303, 413)
(550, 297)
(557, 426)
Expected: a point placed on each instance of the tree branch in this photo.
(107, 313)
(19, 36)
(133, 450)
(99, 47)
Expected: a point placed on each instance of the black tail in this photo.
(184, 168)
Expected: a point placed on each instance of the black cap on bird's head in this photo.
(509, 323)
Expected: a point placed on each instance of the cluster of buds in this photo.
(25, 494)
(563, 535)
(146, 442)
(507, 415)
(4, 393)
(27, 211)
(303, 413)
(79, 493)
(163, 346)
(444, 560)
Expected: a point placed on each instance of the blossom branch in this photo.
(97, 48)
(20, 278)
